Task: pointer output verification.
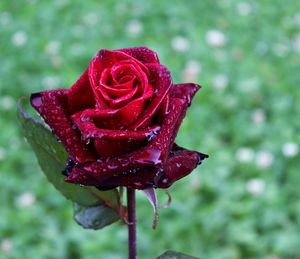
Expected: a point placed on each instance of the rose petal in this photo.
(106, 81)
(184, 91)
(90, 130)
(158, 149)
(119, 102)
(132, 67)
(129, 113)
(96, 172)
(107, 58)
(109, 142)
(51, 105)
(179, 164)
(95, 69)
(162, 83)
(141, 179)
(116, 147)
(118, 90)
(93, 114)
(142, 54)
(80, 95)
(114, 118)
(163, 110)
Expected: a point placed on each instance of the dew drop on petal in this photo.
(113, 167)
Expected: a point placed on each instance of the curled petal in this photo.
(158, 149)
(118, 90)
(162, 82)
(80, 95)
(179, 164)
(129, 113)
(113, 118)
(90, 130)
(51, 106)
(94, 71)
(142, 54)
(184, 91)
(107, 58)
(119, 102)
(109, 142)
(120, 70)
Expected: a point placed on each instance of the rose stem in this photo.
(131, 224)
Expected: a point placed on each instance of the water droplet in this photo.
(153, 133)
(150, 136)
(112, 167)
(68, 141)
(84, 118)
(125, 163)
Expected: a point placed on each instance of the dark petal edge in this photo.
(51, 106)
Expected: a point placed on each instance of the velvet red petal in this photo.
(80, 95)
(90, 130)
(158, 150)
(179, 164)
(117, 102)
(142, 54)
(141, 178)
(162, 82)
(51, 105)
(94, 71)
(184, 91)
(107, 58)
(109, 142)
(114, 118)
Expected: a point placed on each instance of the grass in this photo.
(241, 203)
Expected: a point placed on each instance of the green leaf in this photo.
(175, 255)
(94, 217)
(52, 158)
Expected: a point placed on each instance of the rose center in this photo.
(122, 83)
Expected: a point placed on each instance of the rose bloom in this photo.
(118, 122)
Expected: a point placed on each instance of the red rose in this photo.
(119, 121)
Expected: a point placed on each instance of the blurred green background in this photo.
(243, 202)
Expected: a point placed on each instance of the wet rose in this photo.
(119, 121)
